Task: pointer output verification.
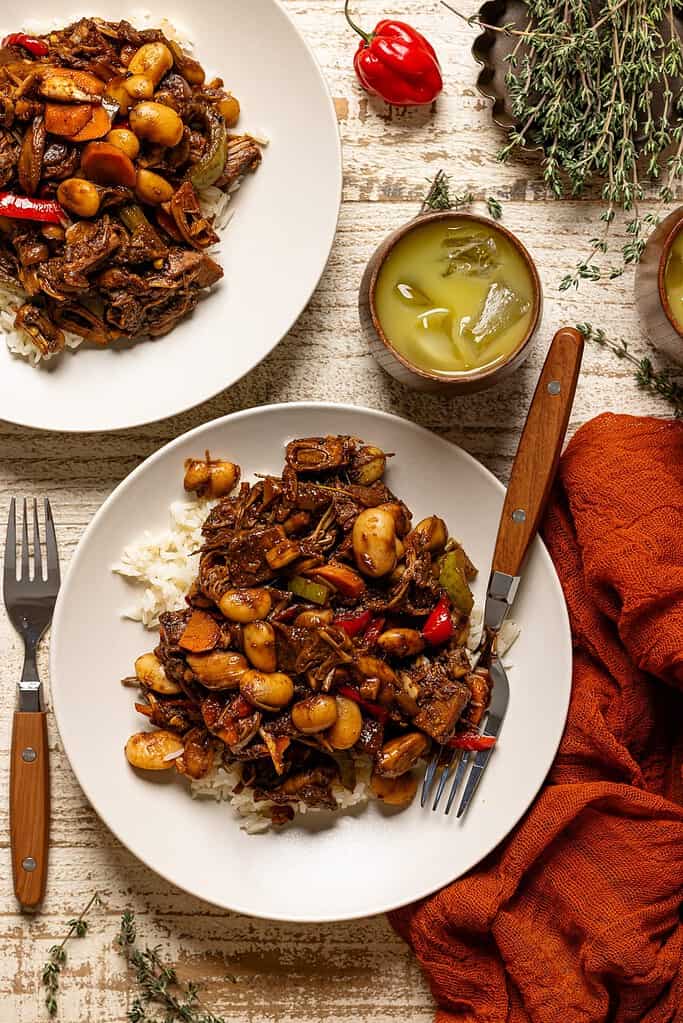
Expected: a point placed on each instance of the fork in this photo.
(30, 601)
(533, 472)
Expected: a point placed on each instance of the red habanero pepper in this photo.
(472, 741)
(22, 207)
(354, 622)
(439, 626)
(397, 63)
(374, 709)
(35, 46)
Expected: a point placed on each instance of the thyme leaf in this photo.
(78, 928)
(657, 382)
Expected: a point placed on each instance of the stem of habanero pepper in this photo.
(367, 36)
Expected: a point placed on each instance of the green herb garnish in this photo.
(439, 197)
(159, 983)
(658, 382)
(78, 927)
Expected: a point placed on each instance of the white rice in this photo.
(214, 203)
(220, 784)
(163, 566)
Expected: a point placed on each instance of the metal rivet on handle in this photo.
(554, 387)
(29, 755)
(519, 515)
(28, 863)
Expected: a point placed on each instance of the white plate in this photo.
(344, 866)
(274, 250)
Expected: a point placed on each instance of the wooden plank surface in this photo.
(350, 971)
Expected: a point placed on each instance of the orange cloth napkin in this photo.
(576, 917)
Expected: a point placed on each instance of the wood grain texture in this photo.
(535, 464)
(299, 974)
(29, 806)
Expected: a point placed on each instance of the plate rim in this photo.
(339, 173)
(61, 609)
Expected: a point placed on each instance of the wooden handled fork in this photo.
(533, 472)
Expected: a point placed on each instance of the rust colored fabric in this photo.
(576, 917)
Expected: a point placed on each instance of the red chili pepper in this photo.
(373, 632)
(35, 46)
(374, 709)
(472, 741)
(397, 63)
(240, 708)
(354, 622)
(21, 207)
(439, 626)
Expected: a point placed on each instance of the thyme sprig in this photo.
(78, 927)
(593, 84)
(439, 197)
(159, 983)
(658, 382)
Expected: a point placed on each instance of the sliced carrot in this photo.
(201, 633)
(98, 125)
(344, 579)
(66, 118)
(107, 165)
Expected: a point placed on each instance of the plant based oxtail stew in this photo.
(108, 138)
(324, 630)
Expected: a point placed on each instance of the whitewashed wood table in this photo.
(358, 970)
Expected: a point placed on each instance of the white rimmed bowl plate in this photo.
(273, 250)
(338, 866)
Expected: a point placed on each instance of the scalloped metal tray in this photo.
(490, 49)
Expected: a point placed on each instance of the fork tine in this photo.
(37, 553)
(51, 546)
(459, 775)
(24, 544)
(429, 778)
(478, 768)
(445, 774)
(10, 566)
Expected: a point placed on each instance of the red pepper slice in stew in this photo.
(439, 626)
(374, 709)
(22, 207)
(354, 622)
(35, 46)
(240, 708)
(472, 741)
(373, 632)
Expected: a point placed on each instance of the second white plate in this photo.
(331, 867)
(273, 251)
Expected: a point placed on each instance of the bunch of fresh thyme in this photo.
(593, 84)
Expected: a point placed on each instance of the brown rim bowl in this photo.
(651, 299)
(391, 360)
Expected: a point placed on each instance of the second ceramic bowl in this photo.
(397, 364)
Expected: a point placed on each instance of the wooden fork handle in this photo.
(29, 806)
(539, 450)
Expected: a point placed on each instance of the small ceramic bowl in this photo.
(396, 364)
(651, 299)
